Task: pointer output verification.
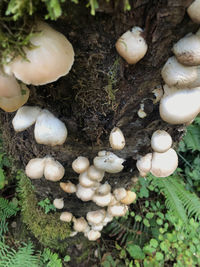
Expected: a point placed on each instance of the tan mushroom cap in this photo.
(130, 197)
(179, 106)
(95, 174)
(80, 164)
(68, 187)
(164, 164)
(93, 235)
(117, 210)
(132, 46)
(9, 87)
(58, 203)
(10, 104)
(119, 193)
(194, 11)
(66, 216)
(80, 224)
(187, 50)
(96, 217)
(51, 58)
(161, 141)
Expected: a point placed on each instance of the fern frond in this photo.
(173, 203)
(7, 208)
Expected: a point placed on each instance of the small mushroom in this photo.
(96, 217)
(102, 200)
(132, 45)
(81, 164)
(130, 197)
(58, 203)
(85, 181)
(80, 224)
(25, 117)
(85, 194)
(95, 174)
(103, 189)
(116, 139)
(144, 164)
(53, 171)
(35, 168)
(117, 210)
(120, 193)
(93, 235)
(66, 216)
(176, 74)
(49, 130)
(161, 141)
(68, 187)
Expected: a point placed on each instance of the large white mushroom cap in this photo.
(161, 141)
(194, 11)
(51, 58)
(179, 106)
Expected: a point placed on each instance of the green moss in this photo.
(47, 228)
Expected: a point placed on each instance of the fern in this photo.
(50, 259)
(180, 202)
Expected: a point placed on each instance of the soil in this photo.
(102, 91)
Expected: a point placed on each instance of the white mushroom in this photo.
(81, 164)
(49, 130)
(164, 164)
(51, 57)
(179, 106)
(187, 50)
(117, 210)
(66, 216)
(103, 189)
(93, 235)
(58, 203)
(110, 163)
(194, 11)
(85, 194)
(102, 200)
(161, 141)
(132, 45)
(96, 217)
(119, 193)
(80, 224)
(53, 171)
(144, 164)
(25, 117)
(35, 168)
(116, 139)
(176, 74)
(68, 187)
(85, 181)
(95, 174)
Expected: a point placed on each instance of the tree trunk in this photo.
(102, 91)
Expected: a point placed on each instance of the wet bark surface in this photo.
(102, 91)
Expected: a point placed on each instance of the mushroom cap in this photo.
(85, 194)
(96, 217)
(10, 104)
(164, 164)
(176, 74)
(93, 235)
(80, 224)
(49, 130)
(51, 58)
(80, 164)
(194, 11)
(119, 193)
(144, 164)
(161, 141)
(95, 174)
(116, 139)
(103, 189)
(187, 50)
(9, 87)
(68, 187)
(35, 168)
(102, 200)
(53, 171)
(132, 46)
(196, 82)
(110, 163)
(130, 197)
(117, 210)
(25, 117)
(179, 106)
(58, 203)
(85, 181)
(66, 216)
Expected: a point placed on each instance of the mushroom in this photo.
(130, 197)
(66, 216)
(194, 11)
(9, 87)
(187, 50)
(176, 74)
(35, 168)
(102, 200)
(117, 210)
(85, 181)
(96, 217)
(179, 106)
(164, 164)
(51, 57)
(49, 130)
(93, 235)
(161, 141)
(95, 174)
(80, 164)
(25, 117)
(144, 164)
(103, 189)
(110, 163)
(68, 187)
(132, 45)
(119, 193)
(58, 203)
(53, 171)
(85, 194)
(116, 139)
(80, 224)
(10, 104)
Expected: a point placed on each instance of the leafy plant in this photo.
(46, 205)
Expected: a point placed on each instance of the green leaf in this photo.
(67, 258)
(154, 243)
(159, 256)
(135, 252)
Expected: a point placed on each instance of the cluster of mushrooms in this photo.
(179, 104)
(89, 187)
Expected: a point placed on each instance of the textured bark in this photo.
(81, 99)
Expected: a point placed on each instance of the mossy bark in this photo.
(102, 91)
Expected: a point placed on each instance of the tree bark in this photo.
(102, 91)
